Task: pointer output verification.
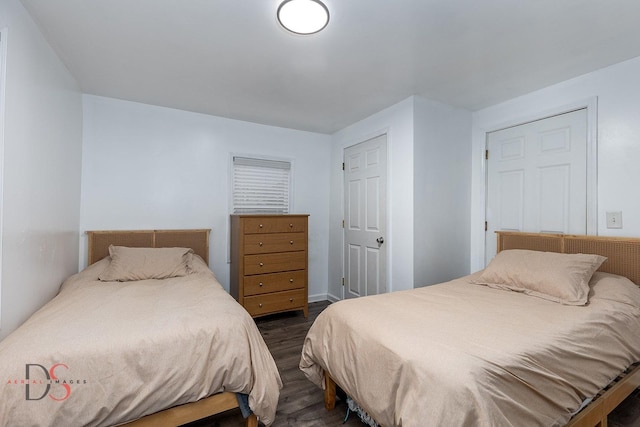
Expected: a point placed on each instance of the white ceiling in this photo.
(230, 58)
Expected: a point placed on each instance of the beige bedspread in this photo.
(124, 350)
(458, 354)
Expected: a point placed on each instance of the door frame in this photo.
(388, 237)
(591, 105)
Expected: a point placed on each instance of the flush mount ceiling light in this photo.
(303, 16)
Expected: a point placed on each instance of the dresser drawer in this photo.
(272, 263)
(275, 224)
(274, 302)
(274, 282)
(282, 242)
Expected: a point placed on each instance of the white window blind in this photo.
(261, 185)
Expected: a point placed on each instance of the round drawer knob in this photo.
(260, 284)
(260, 305)
(260, 243)
(261, 264)
(291, 242)
(260, 226)
(290, 280)
(290, 299)
(290, 225)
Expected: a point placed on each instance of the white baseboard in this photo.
(323, 297)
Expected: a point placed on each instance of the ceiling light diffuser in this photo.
(303, 16)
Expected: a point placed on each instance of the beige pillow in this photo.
(128, 264)
(562, 278)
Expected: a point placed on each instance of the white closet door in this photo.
(537, 178)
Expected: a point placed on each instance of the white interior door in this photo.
(365, 218)
(537, 178)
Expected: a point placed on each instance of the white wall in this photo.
(618, 91)
(428, 193)
(42, 155)
(442, 191)
(148, 167)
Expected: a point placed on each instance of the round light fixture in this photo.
(303, 16)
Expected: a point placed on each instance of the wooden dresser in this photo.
(269, 263)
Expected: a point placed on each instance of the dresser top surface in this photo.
(262, 215)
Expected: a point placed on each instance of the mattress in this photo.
(460, 354)
(104, 353)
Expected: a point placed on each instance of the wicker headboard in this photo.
(99, 241)
(623, 253)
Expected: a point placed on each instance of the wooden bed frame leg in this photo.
(252, 421)
(329, 392)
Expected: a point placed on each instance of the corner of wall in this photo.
(442, 191)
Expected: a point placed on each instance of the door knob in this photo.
(380, 240)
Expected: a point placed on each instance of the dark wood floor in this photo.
(302, 403)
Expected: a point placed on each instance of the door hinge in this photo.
(486, 226)
(343, 281)
(486, 154)
(343, 223)
(342, 165)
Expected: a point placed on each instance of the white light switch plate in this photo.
(614, 219)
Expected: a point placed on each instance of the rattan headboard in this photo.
(99, 241)
(623, 253)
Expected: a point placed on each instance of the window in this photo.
(260, 185)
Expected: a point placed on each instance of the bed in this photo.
(163, 350)
(470, 352)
